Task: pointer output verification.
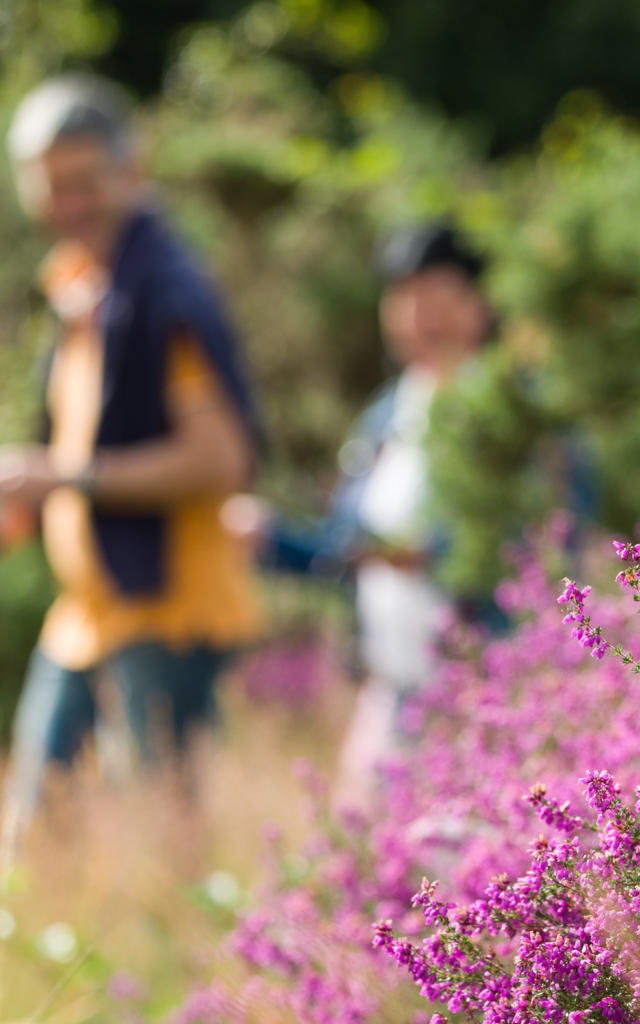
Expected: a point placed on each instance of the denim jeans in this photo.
(164, 694)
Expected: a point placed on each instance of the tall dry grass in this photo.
(143, 875)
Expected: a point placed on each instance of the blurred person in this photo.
(151, 426)
(434, 320)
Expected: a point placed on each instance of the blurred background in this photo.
(285, 135)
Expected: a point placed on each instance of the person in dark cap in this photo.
(432, 316)
(433, 319)
(408, 250)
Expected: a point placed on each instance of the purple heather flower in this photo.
(601, 789)
(599, 651)
(622, 549)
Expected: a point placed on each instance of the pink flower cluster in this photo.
(571, 919)
(554, 935)
(588, 635)
(591, 636)
(293, 671)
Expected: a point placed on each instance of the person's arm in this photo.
(207, 451)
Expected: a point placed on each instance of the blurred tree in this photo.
(499, 67)
(566, 372)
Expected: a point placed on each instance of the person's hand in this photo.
(27, 474)
(247, 518)
(406, 558)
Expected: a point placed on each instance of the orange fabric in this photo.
(210, 595)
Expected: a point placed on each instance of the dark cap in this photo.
(411, 249)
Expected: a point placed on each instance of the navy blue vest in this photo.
(156, 289)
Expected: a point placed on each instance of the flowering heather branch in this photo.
(553, 814)
(601, 790)
(572, 919)
(554, 935)
(588, 635)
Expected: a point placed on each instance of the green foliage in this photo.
(39, 39)
(25, 593)
(566, 278)
(488, 471)
(574, 268)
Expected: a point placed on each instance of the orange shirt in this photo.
(209, 595)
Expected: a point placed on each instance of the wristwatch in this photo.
(85, 480)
